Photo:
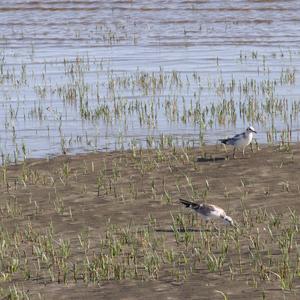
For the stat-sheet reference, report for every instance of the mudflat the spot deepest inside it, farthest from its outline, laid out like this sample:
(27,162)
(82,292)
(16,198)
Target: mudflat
(109,225)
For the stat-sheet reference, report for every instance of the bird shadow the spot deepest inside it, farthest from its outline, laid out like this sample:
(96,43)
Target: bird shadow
(182,230)
(210,159)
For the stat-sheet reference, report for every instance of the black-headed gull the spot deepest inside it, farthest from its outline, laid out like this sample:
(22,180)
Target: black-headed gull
(241,140)
(208,211)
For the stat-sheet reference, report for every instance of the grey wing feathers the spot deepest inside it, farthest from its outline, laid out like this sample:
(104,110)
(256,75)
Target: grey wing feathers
(238,136)
(204,209)
(231,141)
(207,211)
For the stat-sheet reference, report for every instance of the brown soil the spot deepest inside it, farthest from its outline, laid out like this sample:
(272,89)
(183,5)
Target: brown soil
(132,188)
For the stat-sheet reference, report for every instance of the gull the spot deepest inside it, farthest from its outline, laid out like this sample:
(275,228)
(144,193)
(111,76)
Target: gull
(208,211)
(241,140)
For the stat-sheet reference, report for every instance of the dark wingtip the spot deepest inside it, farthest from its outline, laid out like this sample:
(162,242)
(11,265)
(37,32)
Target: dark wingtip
(185,202)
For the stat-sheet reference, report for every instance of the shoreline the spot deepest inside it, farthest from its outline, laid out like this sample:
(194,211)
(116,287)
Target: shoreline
(208,147)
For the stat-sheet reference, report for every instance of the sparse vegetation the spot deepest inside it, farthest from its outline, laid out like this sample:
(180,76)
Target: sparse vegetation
(146,94)
(53,229)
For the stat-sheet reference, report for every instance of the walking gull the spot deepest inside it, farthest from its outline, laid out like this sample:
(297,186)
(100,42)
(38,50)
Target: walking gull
(241,140)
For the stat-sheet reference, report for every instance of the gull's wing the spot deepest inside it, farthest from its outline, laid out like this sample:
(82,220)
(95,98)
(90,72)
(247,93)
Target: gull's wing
(232,140)
(238,136)
(220,211)
(204,209)
(189,204)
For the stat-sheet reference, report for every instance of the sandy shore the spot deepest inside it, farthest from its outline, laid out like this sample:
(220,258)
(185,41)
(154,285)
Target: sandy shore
(69,197)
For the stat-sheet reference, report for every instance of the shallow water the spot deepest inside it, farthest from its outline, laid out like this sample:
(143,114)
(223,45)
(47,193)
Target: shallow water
(62,59)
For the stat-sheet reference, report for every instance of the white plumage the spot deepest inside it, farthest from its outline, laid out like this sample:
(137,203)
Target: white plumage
(241,140)
(208,211)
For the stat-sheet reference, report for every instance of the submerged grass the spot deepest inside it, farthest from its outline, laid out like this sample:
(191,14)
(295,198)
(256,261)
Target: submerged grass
(89,92)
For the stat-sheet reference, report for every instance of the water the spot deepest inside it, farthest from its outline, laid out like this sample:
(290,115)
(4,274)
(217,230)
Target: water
(59,60)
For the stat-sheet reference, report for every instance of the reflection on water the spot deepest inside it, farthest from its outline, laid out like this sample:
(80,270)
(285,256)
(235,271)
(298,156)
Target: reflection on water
(83,75)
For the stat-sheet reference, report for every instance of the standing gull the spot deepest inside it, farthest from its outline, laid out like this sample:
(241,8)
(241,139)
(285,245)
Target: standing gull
(241,140)
(208,211)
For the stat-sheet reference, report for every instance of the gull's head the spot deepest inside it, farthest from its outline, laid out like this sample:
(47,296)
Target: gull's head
(228,220)
(251,129)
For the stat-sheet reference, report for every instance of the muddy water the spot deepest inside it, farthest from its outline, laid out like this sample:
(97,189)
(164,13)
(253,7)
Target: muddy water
(216,41)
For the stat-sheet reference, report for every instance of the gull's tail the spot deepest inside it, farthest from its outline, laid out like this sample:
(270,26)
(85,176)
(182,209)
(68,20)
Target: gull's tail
(224,141)
(189,203)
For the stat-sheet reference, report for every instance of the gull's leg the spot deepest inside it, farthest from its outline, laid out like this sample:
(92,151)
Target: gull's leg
(243,151)
(234,152)
(206,224)
(225,148)
(214,225)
